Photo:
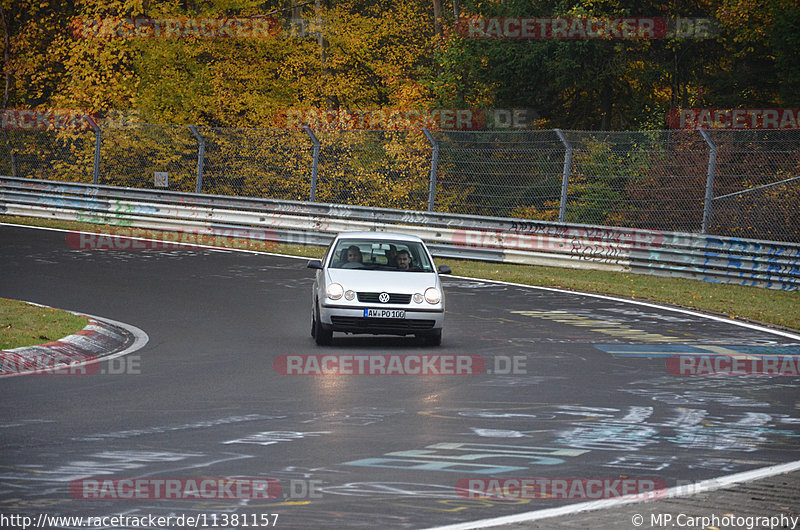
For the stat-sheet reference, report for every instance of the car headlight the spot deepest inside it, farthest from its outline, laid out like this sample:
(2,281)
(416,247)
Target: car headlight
(335,291)
(349,295)
(432,295)
(418,298)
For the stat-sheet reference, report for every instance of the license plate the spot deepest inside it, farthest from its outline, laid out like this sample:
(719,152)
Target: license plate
(385,313)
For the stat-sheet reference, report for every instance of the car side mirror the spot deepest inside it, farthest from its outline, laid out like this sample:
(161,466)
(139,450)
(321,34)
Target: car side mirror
(314,264)
(444,269)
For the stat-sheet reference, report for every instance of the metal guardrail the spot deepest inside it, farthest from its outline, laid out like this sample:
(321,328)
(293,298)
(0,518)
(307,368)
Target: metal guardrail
(768,264)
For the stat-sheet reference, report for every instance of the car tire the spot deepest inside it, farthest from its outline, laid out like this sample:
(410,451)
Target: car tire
(433,338)
(322,336)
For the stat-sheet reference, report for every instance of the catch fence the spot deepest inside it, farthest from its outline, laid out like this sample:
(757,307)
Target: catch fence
(738,183)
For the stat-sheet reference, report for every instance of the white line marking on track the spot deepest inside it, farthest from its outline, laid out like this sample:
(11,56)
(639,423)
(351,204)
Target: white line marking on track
(645,304)
(679,491)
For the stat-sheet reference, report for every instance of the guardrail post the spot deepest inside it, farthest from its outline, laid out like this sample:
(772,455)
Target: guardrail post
(314,163)
(712,165)
(201,158)
(98,140)
(562,209)
(434,168)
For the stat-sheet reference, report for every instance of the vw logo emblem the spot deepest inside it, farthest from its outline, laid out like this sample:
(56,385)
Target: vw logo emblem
(383,298)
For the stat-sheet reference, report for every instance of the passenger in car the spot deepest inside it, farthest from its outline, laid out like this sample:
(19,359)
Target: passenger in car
(354,255)
(391,256)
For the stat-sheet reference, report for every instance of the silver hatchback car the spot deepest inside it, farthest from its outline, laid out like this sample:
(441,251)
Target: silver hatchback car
(378,283)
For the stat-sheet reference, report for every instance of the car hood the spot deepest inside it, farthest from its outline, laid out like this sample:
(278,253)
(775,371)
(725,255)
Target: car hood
(361,280)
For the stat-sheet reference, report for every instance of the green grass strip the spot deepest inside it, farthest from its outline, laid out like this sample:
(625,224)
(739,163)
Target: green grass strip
(23,324)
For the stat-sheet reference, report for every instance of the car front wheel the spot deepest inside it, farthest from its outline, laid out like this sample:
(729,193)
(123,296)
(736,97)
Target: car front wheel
(322,336)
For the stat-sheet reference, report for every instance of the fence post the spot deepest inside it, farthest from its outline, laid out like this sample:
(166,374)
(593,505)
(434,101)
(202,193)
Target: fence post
(98,140)
(201,158)
(562,210)
(434,168)
(314,163)
(14,172)
(712,165)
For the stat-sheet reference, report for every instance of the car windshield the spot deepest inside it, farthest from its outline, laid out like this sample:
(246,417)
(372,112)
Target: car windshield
(403,256)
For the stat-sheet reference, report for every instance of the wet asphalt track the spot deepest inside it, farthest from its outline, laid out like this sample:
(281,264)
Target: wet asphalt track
(595,401)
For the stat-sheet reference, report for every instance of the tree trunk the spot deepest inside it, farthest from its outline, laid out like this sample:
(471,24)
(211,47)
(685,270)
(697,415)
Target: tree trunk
(330,100)
(6,59)
(437,17)
(606,105)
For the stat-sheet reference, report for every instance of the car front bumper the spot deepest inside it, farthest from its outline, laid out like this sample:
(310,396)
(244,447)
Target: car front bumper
(352,320)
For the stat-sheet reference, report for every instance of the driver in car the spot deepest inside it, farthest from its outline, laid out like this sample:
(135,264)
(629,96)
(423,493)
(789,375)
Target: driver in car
(403,260)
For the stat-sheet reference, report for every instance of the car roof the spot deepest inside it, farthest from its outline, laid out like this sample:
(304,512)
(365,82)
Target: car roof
(389,236)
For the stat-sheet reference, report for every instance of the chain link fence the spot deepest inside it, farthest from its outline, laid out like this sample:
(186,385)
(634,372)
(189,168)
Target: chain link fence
(130,156)
(724,182)
(386,168)
(60,154)
(639,179)
(499,173)
(757,185)
(273,163)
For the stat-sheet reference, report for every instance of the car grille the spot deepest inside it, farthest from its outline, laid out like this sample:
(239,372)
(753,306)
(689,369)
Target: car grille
(377,324)
(394,298)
